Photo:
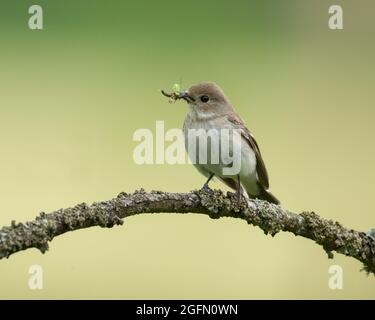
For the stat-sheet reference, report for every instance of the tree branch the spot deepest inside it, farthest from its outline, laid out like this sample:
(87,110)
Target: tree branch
(332,236)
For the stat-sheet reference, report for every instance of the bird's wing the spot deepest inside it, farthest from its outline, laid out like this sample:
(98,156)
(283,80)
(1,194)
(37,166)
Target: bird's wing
(260,166)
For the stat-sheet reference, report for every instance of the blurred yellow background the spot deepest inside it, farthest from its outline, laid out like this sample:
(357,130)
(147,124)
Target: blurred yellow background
(73,94)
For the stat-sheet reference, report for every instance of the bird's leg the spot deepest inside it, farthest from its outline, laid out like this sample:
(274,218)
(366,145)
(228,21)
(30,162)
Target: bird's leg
(238,190)
(205,186)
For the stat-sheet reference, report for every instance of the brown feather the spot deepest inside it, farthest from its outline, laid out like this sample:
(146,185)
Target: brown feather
(260,166)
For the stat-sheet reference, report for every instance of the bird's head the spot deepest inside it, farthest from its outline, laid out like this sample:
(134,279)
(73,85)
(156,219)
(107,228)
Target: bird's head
(206,100)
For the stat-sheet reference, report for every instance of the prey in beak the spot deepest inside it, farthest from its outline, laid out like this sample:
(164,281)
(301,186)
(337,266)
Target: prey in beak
(177,94)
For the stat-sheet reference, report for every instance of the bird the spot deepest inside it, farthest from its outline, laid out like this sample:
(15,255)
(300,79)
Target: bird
(210,109)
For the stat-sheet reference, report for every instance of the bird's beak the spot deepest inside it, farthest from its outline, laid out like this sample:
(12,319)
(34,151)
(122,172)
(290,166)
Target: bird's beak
(180,95)
(185,95)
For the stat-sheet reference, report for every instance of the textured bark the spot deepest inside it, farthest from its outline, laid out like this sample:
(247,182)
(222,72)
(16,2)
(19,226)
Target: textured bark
(332,236)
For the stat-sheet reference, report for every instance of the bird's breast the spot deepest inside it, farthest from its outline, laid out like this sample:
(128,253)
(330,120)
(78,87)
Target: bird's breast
(217,143)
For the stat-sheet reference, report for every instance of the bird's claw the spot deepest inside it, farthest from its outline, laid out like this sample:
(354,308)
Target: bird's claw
(206,188)
(238,198)
(371,234)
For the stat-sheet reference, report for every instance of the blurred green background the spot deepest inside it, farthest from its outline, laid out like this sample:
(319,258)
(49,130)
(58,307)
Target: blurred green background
(73,94)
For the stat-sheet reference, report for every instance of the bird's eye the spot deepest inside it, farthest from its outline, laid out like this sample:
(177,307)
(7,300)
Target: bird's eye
(205,98)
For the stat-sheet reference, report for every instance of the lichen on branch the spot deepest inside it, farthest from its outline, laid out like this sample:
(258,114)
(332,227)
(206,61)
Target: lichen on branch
(332,236)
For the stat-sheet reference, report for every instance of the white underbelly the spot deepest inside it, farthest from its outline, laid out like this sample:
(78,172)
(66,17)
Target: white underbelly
(222,151)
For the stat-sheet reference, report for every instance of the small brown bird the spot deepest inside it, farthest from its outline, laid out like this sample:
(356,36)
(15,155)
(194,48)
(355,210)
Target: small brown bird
(209,109)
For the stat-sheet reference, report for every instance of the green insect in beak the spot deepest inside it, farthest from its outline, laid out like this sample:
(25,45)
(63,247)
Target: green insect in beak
(176,89)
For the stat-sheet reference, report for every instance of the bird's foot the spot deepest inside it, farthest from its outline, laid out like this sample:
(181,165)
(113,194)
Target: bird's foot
(206,187)
(238,197)
(371,234)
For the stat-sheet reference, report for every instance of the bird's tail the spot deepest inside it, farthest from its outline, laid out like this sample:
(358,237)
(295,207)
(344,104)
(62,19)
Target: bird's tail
(268,196)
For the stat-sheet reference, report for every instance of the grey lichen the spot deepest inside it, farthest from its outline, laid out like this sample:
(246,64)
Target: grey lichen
(214,201)
(272,219)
